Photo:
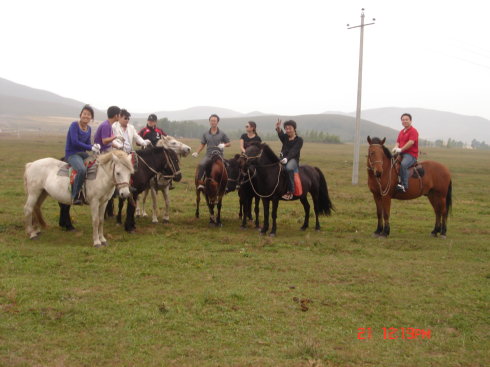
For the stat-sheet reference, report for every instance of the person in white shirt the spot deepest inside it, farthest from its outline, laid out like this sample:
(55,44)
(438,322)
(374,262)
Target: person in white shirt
(126,133)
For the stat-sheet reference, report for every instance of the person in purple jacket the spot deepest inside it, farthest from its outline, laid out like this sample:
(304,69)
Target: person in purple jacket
(104,136)
(77,144)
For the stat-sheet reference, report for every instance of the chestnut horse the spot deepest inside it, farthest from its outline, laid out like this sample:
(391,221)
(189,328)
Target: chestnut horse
(383,169)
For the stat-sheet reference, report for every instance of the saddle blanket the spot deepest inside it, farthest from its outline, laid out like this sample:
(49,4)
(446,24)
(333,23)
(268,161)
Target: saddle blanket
(67,171)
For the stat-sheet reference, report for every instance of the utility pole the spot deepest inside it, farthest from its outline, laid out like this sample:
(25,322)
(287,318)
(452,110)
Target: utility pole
(357,137)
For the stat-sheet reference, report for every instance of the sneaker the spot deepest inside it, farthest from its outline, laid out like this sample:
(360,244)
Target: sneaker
(401,188)
(77,202)
(288,196)
(200,187)
(171,187)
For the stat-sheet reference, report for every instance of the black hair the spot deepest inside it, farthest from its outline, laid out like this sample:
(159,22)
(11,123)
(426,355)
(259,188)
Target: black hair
(113,111)
(406,114)
(254,126)
(213,115)
(290,123)
(89,109)
(125,113)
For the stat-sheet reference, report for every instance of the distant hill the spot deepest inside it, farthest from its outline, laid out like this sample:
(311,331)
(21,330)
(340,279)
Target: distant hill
(340,125)
(433,124)
(199,112)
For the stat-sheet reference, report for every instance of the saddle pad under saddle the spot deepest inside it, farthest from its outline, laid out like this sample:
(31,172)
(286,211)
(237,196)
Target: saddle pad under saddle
(91,170)
(416,171)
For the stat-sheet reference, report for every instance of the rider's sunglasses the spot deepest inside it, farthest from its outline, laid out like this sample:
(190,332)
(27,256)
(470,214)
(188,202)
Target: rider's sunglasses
(247,126)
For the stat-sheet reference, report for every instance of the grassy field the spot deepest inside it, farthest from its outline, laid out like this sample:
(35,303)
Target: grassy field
(185,294)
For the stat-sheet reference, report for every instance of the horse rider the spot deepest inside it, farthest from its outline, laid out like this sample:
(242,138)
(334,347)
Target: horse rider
(151,132)
(215,140)
(290,152)
(77,143)
(104,135)
(128,132)
(250,136)
(407,145)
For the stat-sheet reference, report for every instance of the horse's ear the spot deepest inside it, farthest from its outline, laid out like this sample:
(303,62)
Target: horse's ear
(369,140)
(383,141)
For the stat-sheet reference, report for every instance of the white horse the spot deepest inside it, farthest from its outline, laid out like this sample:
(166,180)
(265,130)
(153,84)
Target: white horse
(162,183)
(41,179)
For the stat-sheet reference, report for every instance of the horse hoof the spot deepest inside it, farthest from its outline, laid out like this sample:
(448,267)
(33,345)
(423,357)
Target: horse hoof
(376,235)
(272,235)
(443,236)
(98,245)
(219,224)
(243,227)
(303,228)
(144,215)
(166,221)
(105,243)
(154,221)
(317,229)
(70,228)
(34,237)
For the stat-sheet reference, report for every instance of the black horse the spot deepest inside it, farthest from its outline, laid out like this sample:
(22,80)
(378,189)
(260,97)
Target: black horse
(148,163)
(269,180)
(246,196)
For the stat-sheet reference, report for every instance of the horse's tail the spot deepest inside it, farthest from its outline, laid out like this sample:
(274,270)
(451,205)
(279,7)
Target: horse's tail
(325,205)
(449,197)
(25,176)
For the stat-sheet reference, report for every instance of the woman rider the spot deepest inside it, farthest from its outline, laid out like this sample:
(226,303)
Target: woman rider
(77,143)
(250,136)
(290,152)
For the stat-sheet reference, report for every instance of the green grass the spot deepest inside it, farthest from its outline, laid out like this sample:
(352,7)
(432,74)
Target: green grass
(185,294)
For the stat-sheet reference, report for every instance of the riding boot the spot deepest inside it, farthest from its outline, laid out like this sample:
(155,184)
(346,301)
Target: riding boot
(171,186)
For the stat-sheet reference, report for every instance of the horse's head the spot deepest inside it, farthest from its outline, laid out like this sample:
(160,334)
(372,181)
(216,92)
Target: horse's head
(178,147)
(172,164)
(377,152)
(233,170)
(122,169)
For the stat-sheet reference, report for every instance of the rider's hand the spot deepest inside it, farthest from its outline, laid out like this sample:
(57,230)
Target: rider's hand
(117,144)
(147,143)
(221,146)
(120,137)
(195,154)
(96,148)
(396,150)
(278,124)
(284,160)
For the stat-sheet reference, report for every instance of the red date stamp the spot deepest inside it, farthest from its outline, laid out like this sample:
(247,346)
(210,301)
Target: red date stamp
(393,333)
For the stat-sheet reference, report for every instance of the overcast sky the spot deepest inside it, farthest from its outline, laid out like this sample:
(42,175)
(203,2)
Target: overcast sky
(285,57)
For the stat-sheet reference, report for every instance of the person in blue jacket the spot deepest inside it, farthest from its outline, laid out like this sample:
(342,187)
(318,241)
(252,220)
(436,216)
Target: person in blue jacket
(77,144)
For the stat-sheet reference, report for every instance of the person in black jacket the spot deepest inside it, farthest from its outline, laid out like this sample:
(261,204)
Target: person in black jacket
(151,132)
(290,152)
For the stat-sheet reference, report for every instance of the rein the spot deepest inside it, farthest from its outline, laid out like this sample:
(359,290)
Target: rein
(169,162)
(275,188)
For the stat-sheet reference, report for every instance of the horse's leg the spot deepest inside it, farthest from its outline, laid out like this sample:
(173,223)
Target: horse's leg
(166,198)
(257,203)
(138,211)
(275,204)
(435,200)
(153,192)
(198,200)
(143,211)
(386,203)
(218,218)
(306,207)
(109,213)
(265,227)
(65,220)
(40,223)
(28,213)
(129,223)
(119,211)
(102,210)
(95,210)
(379,212)
(316,198)
(212,219)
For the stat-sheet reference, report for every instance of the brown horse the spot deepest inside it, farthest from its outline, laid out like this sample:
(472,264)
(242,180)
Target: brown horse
(434,182)
(221,177)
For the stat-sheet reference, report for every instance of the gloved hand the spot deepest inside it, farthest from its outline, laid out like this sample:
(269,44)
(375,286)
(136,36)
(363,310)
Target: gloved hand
(147,143)
(195,154)
(117,144)
(96,148)
(120,137)
(284,160)
(396,150)
(221,146)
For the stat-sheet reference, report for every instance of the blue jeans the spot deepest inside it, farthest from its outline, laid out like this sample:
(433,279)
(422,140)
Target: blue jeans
(408,160)
(291,169)
(76,161)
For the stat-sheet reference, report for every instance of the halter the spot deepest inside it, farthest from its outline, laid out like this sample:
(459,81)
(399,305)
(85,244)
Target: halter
(387,189)
(118,184)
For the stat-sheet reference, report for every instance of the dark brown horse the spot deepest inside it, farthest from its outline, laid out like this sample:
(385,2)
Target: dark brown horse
(434,182)
(221,178)
(268,180)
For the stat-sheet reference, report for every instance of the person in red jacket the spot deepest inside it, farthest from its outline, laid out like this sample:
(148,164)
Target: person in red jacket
(407,145)
(151,131)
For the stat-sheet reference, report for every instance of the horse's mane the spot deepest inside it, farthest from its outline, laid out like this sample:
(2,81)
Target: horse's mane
(269,153)
(123,157)
(213,159)
(376,140)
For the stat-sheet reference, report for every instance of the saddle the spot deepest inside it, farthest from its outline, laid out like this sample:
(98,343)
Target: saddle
(67,170)
(415,171)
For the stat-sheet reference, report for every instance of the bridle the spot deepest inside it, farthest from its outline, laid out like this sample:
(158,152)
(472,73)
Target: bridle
(247,158)
(387,189)
(170,163)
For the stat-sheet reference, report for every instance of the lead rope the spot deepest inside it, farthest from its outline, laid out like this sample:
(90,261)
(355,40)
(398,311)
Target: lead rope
(273,191)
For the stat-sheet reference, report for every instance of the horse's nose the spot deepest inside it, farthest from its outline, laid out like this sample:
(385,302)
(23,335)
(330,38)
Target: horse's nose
(178,177)
(378,173)
(124,193)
